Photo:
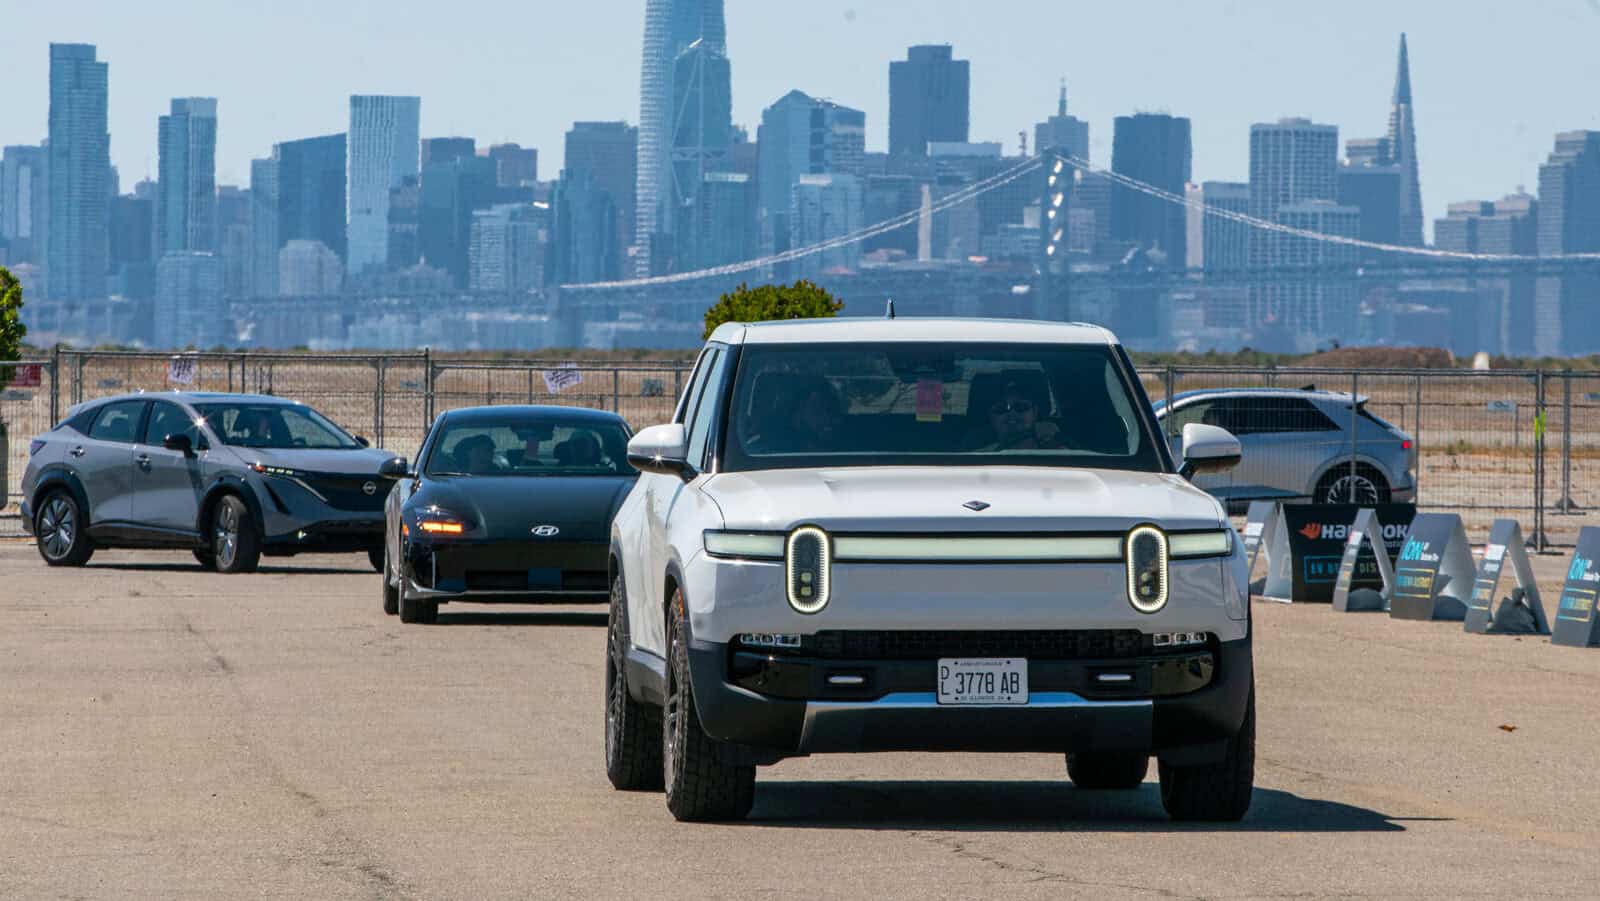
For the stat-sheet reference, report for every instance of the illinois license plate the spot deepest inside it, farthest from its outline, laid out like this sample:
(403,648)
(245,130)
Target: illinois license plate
(985,680)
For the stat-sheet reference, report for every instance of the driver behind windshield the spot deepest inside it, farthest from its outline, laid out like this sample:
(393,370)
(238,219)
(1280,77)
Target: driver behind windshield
(1014,423)
(806,421)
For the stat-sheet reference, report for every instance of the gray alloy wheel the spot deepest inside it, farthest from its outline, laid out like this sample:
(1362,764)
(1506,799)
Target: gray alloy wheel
(234,542)
(58,532)
(1367,489)
(700,787)
(633,751)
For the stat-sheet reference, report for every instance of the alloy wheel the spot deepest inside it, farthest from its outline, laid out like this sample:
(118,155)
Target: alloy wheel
(58,527)
(227,543)
(1365,491)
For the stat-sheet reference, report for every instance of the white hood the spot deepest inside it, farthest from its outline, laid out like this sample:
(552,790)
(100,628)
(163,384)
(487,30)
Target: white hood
(916,499)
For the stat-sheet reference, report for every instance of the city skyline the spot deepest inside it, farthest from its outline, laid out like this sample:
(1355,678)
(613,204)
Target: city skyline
(1253,71)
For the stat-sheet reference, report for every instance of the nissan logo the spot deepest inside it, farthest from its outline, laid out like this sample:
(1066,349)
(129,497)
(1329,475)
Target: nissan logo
(546,531)
(370,488)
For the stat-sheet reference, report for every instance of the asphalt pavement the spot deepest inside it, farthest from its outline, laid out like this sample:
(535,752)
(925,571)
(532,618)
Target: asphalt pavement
(170,733)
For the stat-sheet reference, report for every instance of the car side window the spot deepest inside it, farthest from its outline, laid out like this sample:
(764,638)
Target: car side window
(1189,413)
(702,369)
(706,410)
(1307,418)
(169,419)
(118,422)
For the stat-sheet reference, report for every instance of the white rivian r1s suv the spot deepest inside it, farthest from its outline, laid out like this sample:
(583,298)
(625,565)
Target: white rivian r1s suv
(918,535)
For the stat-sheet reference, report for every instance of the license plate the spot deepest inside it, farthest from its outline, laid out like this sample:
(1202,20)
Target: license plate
(986,680)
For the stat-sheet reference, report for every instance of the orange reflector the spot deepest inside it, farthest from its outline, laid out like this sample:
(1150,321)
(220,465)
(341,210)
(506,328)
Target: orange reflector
(441,528)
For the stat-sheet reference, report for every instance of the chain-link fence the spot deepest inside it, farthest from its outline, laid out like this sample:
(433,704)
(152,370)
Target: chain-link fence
(1524,444)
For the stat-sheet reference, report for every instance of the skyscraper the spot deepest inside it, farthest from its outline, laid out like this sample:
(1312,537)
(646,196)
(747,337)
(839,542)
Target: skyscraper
(1569,222)
(670,27)
(186,202)
(1506,226)
(515,166)
(384,150)
(702,131)
(24,202)
(447,150)
(826,206)
(310,192)
(451,190)
(1373,182)
(264,227)
(508,248)
(1294,181)
(1403,146)
(1224,243)
(188,303)
(1061,132)
(79,160)
(800,135)
(308,269)
(1154,149)
(602,175)
(928,99)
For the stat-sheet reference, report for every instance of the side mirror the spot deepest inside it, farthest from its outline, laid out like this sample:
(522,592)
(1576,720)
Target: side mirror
(362,440)
(662,449)
(1207,448)
(396,468)
(179,442)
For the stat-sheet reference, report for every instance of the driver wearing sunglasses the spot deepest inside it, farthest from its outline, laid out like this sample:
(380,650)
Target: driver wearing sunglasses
(1015,423)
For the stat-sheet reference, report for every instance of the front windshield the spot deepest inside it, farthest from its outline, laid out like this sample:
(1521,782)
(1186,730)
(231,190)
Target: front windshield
(274,426)
(935,404)
(531,445)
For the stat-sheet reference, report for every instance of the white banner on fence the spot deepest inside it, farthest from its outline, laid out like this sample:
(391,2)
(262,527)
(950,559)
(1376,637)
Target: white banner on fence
(559,380)
(182,370)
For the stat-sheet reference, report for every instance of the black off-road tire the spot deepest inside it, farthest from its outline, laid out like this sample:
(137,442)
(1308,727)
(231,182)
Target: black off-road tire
(1107,772)
(632,729)
(378,558)
(205,558)
(234,540)
(60,530)
(1217,792)
(416,610)
(391,593)
(700,787)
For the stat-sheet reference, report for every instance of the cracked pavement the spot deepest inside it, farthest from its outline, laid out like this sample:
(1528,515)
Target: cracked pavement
(178,734)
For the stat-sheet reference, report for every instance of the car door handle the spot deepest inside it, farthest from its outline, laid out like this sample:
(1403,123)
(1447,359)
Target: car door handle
(78,451)
(143,460)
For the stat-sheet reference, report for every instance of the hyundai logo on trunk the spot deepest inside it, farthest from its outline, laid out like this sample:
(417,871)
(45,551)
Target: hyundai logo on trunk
(546,531)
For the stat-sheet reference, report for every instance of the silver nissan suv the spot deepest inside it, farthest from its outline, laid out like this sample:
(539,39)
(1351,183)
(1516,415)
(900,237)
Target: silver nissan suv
(925,535)
(228,476)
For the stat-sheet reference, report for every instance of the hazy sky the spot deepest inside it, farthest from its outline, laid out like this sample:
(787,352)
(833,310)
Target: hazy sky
(1493,81)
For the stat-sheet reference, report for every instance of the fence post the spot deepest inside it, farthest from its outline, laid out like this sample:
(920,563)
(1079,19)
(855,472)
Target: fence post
(1416,442)
(427,389)
(377,413)
(1167,378)
(1355,424)
(1566,441)
(55,385)
(616,390)
(77,378)
(1540,541)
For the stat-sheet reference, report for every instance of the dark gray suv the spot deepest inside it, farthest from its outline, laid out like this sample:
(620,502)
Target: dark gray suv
(229,476)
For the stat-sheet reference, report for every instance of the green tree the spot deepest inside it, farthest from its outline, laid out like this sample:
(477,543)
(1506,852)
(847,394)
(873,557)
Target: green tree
(801,300)
(11,328)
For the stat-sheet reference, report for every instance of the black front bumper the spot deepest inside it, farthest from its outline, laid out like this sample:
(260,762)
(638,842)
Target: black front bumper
(1182,706)
(509,572)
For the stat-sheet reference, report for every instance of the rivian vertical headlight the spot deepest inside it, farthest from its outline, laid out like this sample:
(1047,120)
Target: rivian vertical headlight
(807,560)
(1146,556)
